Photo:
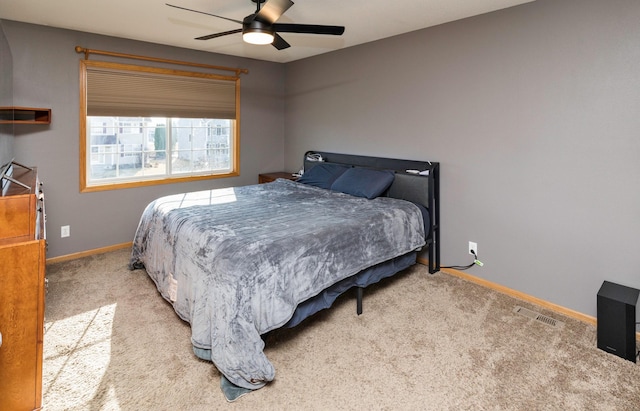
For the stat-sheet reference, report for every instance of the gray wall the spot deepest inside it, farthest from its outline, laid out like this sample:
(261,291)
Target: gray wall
(45,74)
(6,98)
(532,112)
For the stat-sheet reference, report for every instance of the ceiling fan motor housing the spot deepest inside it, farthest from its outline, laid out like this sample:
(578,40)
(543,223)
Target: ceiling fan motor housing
(256,31)
(252,24)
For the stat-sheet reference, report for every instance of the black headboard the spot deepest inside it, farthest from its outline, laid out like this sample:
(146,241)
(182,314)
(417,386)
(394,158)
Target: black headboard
(416,181)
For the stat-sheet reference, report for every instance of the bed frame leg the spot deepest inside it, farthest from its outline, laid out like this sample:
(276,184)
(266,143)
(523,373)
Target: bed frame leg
(359,300)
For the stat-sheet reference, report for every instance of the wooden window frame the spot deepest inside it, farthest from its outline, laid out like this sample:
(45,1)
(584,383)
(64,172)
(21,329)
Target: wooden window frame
(84,159)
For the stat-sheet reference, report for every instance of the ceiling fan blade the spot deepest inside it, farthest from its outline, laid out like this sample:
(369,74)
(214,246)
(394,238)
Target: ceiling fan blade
(213,36)
(279,42)
(273,9)
(308,28)
(202,12)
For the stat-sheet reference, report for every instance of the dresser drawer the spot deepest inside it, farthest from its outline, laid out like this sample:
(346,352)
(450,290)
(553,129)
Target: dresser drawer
(17,217)
(21,325)
(18,206)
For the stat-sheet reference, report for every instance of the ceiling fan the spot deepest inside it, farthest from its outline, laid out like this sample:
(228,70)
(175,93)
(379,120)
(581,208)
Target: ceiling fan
(261,27)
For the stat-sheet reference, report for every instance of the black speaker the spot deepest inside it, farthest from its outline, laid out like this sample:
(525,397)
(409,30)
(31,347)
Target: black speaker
(617,319)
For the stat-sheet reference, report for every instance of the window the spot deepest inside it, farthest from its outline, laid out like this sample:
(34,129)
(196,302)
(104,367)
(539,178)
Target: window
(161,147)
(142,125)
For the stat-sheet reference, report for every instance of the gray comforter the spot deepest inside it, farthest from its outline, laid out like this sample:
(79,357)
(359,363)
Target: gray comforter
(236,262)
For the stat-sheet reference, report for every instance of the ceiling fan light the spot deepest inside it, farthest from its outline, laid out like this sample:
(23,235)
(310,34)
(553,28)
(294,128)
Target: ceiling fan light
(257,37)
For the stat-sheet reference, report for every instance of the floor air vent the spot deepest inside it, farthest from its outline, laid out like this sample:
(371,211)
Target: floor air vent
(538,317)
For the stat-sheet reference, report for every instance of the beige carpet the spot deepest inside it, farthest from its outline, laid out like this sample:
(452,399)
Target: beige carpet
(424,342)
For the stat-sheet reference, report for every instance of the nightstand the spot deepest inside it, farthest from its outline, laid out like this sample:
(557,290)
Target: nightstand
(269,177)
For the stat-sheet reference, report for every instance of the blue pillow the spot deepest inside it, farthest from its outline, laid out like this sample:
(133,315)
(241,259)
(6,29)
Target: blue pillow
(364,182)
(323,174)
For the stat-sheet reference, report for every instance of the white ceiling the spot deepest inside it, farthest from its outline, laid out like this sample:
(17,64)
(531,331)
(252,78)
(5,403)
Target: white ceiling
(153,21)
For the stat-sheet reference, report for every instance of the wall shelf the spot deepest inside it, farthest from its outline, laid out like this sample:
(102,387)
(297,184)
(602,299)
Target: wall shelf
(25,115)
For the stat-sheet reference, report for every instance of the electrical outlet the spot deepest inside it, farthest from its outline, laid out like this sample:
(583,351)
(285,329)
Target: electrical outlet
(473,247)
(65,231)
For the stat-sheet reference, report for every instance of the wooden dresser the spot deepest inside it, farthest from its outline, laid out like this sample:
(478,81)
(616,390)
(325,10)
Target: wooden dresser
(22,289)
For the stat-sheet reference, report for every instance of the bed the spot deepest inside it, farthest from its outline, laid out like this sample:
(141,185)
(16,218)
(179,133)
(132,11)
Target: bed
(239,262)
